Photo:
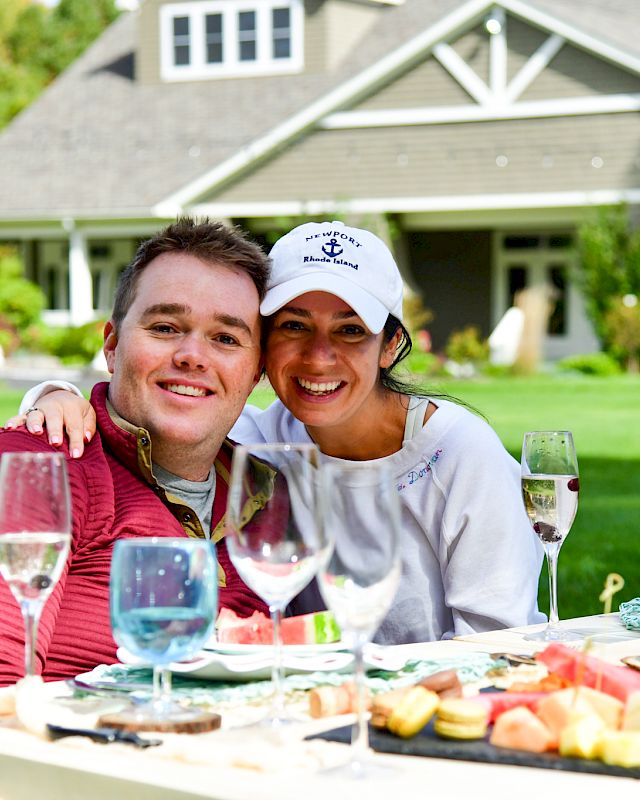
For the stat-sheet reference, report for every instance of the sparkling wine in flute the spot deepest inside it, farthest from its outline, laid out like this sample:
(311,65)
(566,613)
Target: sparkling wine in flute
(550,488)
(551,502)
(31,563)
(35,533)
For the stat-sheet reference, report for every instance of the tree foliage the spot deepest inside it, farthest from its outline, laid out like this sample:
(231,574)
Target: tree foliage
(37,43)
(21,301)
(609,250)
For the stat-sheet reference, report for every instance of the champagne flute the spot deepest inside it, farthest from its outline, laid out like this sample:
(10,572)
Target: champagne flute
(550,487)
(362,575)
(278,550)
(35,533)
(163,595)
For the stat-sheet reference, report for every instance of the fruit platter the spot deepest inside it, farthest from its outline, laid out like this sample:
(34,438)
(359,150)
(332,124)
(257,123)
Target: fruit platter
(582,716)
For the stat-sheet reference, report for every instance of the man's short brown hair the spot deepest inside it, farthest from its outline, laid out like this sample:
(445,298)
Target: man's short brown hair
(211,242)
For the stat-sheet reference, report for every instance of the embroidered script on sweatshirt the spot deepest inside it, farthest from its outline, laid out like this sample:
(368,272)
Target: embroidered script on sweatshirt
(415,475)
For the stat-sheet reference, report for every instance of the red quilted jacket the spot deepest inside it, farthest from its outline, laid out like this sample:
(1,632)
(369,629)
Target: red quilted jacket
(111,499)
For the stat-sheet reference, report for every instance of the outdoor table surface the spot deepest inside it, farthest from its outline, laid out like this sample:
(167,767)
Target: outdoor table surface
(77,769)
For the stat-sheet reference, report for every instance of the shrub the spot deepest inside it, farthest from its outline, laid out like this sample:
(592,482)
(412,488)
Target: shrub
(21,301)
(622,323)
(466,346)
(609,249)
(74,345)
(591,364)
(420,363)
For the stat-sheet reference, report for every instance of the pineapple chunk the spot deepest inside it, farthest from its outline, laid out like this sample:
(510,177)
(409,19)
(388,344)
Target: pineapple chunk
(620,748)
(631,718)
(581,737)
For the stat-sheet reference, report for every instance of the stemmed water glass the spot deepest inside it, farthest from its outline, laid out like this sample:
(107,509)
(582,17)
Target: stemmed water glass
(361,577)
(550,486)
(35,533)
(163,608)
(276,550)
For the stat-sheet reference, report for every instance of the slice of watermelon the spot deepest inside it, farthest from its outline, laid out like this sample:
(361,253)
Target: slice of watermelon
(586,670)
(317,628)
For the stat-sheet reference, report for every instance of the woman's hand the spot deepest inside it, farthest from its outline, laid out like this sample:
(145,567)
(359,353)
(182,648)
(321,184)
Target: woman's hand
(60,412)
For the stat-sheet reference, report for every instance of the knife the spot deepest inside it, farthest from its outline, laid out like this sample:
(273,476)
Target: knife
(102,735)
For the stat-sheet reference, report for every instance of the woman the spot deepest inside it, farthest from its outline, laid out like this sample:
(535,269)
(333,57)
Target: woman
(333,336)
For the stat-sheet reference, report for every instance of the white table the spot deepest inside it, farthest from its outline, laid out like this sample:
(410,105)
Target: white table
(77,769)
(610,640)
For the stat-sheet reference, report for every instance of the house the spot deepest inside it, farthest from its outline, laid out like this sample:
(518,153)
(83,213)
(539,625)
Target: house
(474,135)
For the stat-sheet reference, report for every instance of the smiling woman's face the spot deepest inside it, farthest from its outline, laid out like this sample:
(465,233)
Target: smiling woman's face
(322,360)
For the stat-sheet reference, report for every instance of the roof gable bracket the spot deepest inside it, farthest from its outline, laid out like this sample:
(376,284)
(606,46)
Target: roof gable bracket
(463,73)
(534,66)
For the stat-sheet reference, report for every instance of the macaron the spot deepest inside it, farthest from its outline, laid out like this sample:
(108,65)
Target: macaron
(460,719)
(413,711)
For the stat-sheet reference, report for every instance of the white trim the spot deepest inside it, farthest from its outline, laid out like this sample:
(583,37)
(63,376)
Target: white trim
(92,231)
(366,80)
(382,205)
(463,73)
(534,66)
(498,56)
(80,280)
(566,106)
(231,65)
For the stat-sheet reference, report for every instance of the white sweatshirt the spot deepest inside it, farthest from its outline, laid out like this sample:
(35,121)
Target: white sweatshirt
(470,559)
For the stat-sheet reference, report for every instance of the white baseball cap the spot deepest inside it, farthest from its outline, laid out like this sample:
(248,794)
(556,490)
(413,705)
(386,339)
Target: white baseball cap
(351,263)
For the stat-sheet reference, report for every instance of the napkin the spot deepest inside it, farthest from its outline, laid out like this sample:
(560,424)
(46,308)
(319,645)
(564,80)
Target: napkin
(470,666)
(630,614)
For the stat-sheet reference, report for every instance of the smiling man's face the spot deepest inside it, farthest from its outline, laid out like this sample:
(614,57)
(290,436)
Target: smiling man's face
(185,358)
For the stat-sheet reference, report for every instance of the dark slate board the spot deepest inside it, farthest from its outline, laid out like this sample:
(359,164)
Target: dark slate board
(427,743)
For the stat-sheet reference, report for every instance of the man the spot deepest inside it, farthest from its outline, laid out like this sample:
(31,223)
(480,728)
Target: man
(183,349)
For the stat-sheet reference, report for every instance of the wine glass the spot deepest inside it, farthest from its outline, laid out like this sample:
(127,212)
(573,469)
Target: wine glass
(35,533)
(278,550)
(550,486)
(164,601)
(361,577)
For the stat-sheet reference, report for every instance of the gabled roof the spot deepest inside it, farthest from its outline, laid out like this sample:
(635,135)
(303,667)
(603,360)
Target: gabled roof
(98,144)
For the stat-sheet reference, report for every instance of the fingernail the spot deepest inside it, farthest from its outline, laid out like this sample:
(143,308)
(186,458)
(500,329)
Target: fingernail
(87,436)
(36,428)
(9,426)
(75,453)
(54,440)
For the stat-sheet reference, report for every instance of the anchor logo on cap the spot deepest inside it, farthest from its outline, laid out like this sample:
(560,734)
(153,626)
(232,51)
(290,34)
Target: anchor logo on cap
(332,249)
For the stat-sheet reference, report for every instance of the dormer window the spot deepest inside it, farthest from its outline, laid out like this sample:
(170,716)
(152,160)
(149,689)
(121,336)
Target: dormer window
(230,38)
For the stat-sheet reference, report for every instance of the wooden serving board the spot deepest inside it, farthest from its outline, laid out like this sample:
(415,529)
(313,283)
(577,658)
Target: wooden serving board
(427,743)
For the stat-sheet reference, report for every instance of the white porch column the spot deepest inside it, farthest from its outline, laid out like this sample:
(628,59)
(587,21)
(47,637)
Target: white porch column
(80,281)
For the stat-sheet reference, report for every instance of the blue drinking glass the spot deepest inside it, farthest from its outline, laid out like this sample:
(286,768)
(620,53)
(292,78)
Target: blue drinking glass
(164,601)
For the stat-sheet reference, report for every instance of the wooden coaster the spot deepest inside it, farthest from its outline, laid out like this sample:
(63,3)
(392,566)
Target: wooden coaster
(198,722)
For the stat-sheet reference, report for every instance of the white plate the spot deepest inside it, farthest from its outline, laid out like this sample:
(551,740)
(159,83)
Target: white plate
(255,662)
(228,648)
(250,665)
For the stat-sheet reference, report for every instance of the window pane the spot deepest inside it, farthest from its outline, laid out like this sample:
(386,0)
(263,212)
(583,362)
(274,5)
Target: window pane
(181,26)
(521,242)
(556,275)
(247,21)
(281,28)
(181,43)
(214,38)
(281,18)
(247,51)
(213,23)
(281,48)
(247,46)
(181,54)
(517,280)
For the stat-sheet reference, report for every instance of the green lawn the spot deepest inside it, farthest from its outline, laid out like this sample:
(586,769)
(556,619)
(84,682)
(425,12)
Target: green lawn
(604,415)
